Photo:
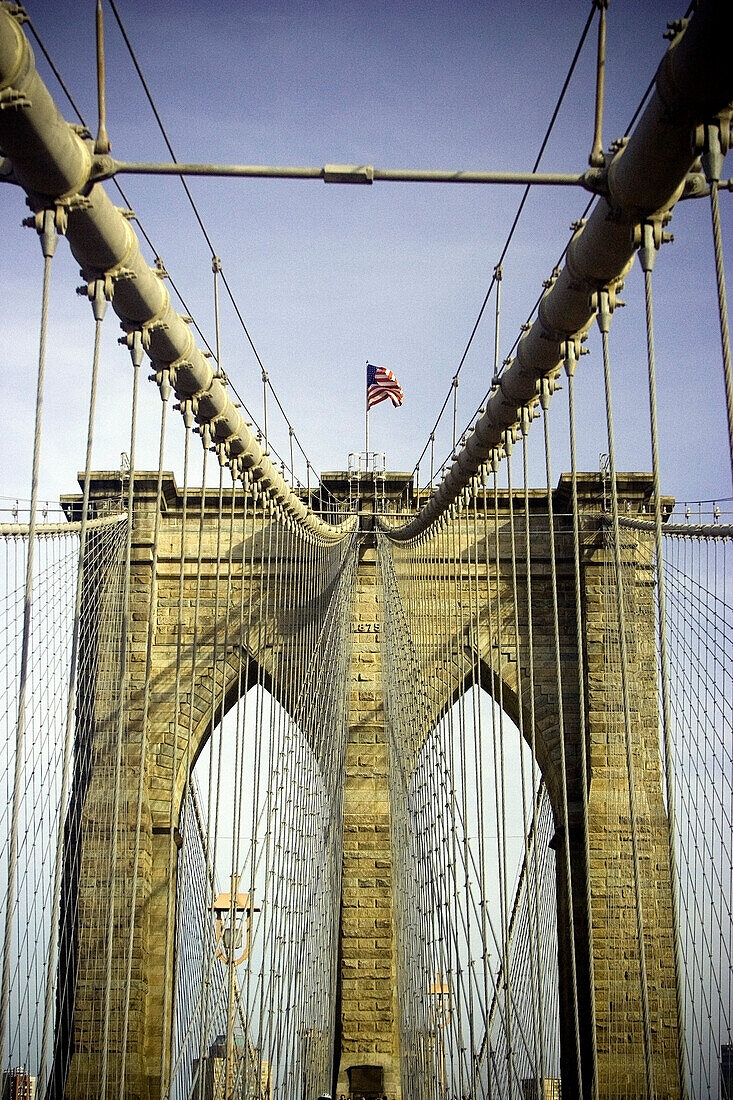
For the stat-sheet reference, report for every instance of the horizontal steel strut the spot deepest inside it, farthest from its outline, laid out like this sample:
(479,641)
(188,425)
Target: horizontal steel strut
(593,179)
(105,167)
(53,164)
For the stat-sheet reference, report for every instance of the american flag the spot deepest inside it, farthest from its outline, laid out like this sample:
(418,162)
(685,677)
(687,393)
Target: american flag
(382,384)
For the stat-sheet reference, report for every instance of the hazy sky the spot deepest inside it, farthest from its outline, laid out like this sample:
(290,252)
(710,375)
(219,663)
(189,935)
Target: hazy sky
(327,277)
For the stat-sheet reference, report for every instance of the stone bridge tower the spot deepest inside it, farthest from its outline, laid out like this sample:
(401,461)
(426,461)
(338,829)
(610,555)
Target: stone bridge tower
(367,1034)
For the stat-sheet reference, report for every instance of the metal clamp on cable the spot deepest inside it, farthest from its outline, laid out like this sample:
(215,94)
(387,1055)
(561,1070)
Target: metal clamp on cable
(604,302)
(713,141)
(133,341)
(571,352)
(49,223)
(164,378)
(649,236)
(187,408)
(99,293)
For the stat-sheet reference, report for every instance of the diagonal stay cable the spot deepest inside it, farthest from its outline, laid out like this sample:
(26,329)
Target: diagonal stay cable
(644,98)
(155,251)
(197,214)
(517,216)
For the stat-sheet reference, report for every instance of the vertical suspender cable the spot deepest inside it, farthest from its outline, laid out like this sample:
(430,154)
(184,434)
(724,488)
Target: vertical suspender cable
(165,389)
(99,306)
(497,817)
(455,410)
(478,756)
(723,310)
(136,351)
(257,777)
(214,788)
(265,381)
(168,980)
(525,421)
(206,440)
(101,144)
(605,307)
(498,277)
(596,157)
(535,983)
(501,784)
(229,1067)
(545,402)
(713,163)
(47,232)
(243,666)
(647,256)
(570,363)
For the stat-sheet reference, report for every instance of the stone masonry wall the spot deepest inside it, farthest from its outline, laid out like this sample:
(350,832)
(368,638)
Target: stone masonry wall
(368,1018)
(368,985)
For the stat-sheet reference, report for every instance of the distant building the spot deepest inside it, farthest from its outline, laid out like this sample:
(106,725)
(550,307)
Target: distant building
(245,1080)
(265,1080)
(726,1072)
(547,1088)
(18,1085)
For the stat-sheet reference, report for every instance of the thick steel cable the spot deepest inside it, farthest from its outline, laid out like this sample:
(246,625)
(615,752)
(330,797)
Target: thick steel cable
(564,797)
(267,900)
(604,317)
(447,929)
(254,830)
(570,362)
(234,888)
(448,741)
(290,923)
(647,256)
(123,683)
(211,855)
(458,735)
(275,818)
(478,757)
(722,309)
(48,243)
(470,690)
(236,788)
(206,439)
(535,983)
(142,764)
(494,644)
(74,526)
(156,251)
(500,782)
(100,305)
(168,985)
(240,725)
(532,714)
(211,835)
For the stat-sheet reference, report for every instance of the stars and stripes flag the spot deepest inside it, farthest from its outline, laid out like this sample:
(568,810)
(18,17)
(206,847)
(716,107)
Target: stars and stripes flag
(382,384)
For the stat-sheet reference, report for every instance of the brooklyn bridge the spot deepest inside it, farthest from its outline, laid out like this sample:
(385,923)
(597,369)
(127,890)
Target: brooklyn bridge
(367,783)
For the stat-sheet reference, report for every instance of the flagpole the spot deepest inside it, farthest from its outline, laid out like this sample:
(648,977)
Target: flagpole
(366,422)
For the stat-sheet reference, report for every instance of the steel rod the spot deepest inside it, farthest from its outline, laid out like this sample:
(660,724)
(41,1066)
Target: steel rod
(342,173)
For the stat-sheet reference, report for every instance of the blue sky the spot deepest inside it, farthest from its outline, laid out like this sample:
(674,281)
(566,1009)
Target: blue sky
(328,277)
